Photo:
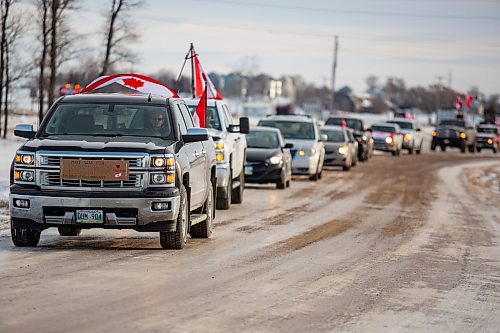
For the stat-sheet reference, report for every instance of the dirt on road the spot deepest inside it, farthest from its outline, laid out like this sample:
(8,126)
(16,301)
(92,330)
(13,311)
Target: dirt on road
(408,243)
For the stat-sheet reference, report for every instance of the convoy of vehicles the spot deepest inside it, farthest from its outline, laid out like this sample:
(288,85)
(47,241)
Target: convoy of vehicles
(268,158)
(302,132)
(230,148)
(118,161)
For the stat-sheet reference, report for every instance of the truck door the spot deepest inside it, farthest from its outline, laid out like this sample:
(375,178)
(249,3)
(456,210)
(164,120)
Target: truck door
(238,149)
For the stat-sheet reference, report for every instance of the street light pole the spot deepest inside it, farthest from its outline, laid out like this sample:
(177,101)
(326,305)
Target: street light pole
(334,69)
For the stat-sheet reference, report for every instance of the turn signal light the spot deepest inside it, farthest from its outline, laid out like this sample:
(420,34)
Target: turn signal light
(463,135)
(434,133)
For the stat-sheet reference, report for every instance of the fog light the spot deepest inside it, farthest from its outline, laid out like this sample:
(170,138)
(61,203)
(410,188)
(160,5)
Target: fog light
(158,178)
(157,206)
(21,203)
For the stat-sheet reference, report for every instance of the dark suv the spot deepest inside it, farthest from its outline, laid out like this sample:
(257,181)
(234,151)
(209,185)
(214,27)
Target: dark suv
(114,161)
(455,133)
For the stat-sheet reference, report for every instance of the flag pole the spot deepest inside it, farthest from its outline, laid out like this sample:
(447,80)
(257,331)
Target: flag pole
(176,86)
(206,102)
(191,49)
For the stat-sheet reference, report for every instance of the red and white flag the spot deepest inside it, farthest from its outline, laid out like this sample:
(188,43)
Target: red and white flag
(200,114)
(140,83)
(468,100)
(200,78)
(458,102)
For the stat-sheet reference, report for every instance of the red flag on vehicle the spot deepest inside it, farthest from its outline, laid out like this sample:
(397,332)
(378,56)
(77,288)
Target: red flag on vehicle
(468,100)
(458,102)
(199,78)
(201,111)
(137,82)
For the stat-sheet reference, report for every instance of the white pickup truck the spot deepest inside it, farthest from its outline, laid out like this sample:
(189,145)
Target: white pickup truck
(230,149)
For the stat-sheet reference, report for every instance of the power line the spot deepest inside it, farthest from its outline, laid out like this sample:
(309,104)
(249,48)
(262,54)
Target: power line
(351,11)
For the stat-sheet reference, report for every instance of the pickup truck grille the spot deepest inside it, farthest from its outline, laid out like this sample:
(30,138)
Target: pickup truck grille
(49,175)
(54,179)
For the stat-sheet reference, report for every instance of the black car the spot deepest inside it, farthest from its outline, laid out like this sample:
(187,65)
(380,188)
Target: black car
(364,138)
(268,157)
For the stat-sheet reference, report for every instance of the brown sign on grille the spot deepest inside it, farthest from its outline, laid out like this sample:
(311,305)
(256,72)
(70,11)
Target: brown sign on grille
(107,170)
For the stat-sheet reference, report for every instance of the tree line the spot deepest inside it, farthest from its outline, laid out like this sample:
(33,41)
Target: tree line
(55,45)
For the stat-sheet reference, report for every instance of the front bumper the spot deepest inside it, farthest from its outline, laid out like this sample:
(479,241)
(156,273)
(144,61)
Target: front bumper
(304,165)
(335,159)
(126,213)
(262,173)
(449,142)
(385,147)
(223,174)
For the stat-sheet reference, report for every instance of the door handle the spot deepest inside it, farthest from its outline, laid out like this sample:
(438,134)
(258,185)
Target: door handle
(237,139)
(203,152)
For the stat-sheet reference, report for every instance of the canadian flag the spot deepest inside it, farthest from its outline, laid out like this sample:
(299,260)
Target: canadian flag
(468,100)
(140,83)
(200,78)
(200,114)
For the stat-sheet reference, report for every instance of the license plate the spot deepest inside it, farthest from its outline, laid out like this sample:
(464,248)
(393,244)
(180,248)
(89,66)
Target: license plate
(446,141)
(89,216)
(248,170)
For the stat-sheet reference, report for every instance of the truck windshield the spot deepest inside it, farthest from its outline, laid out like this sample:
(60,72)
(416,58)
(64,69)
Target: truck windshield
(402,124)
(109,120)
(489,130)
(292,129)
(384,129)
(457,123)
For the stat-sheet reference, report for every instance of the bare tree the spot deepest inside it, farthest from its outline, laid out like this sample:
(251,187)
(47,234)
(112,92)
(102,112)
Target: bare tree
(4,11)
(15,68)
(118,33)
(58,42)
(43,14)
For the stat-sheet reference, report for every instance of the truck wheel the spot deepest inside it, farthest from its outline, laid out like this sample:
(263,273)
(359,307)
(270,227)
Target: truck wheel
(175,240)
(410,151)
(225,203)
(471,149)
(69,231)
(479,149)
(204,229)
(315,176)
(433,146)
(25,237)
(443,148)
(237,195)
(346,167)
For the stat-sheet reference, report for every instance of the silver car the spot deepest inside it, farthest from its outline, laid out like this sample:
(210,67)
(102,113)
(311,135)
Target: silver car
(308,151)
(340,147)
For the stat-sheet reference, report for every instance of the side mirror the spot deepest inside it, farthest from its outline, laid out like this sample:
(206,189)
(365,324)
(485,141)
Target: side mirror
(369,129)
(419,130)
(288,146)
(24,131)
(244,125)
(323,137)
(195,135)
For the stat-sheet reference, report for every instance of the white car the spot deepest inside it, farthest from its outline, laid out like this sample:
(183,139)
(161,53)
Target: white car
(308,153)
(230,149)
(412,135)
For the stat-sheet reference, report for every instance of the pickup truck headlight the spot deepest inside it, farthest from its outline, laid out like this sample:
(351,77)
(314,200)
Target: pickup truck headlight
(219,151)
(24,176)
(25,159)
(463,135)
(407,137)
(164,173)
(388,140)
(275,160)
(343,150)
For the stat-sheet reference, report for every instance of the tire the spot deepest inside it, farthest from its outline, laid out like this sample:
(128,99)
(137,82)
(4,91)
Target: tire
(225,203)
(394,153)
(419,150)
(346,167)
(479,149)
(471,149)
(237,195)
(443,148)
(204,229)
(315,176)
(410,151)
(433,146)
(281,184)
(25,237)
(287,184)
(175,240)
(69,231)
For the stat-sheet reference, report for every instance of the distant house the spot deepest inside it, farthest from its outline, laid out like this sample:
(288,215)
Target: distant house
(346,101)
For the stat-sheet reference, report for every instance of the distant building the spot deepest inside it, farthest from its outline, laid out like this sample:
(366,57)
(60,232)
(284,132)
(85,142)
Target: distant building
(345,100)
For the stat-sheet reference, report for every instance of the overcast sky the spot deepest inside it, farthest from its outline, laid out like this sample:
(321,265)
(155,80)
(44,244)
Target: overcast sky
(417,40)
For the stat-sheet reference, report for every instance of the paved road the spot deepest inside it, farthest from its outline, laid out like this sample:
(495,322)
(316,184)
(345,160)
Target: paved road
(411,247)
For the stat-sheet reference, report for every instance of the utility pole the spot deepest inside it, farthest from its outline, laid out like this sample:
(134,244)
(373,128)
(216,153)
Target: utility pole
(334,69)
